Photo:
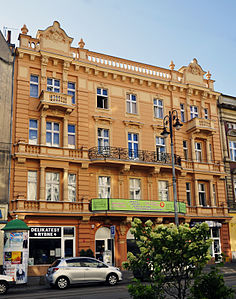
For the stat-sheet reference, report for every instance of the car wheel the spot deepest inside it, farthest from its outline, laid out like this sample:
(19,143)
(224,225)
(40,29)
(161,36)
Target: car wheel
(3,287)
(112,279)
(62,283)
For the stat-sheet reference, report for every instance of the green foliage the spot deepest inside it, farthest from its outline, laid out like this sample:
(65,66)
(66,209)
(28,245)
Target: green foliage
(211,286)
(142,291)
(88,253)
(173,256)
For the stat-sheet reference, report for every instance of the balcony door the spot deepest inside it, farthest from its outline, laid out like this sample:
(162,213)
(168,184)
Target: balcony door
(133,145)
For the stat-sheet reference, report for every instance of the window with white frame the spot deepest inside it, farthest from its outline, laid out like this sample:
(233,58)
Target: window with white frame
(135,188)
(102,98)
(188,193)
(160,147)
(182,113)
(210,152)
(185,149)
(133,145)
(53,85)
(52,133)
(104,187)
(158,108)
(206,116)
(234,182)
(214,193)
(232,149)
(103,140)
(34,86)
(202,194)
(131,103)
(215,248)
(198,151)
(72,187)
(32,185)
(193,111)
(163,190)
(71,136)
(71,91)
(33,131)
(52,186)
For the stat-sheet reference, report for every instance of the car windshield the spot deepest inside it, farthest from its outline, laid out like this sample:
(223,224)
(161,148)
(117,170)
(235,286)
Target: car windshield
(55,263)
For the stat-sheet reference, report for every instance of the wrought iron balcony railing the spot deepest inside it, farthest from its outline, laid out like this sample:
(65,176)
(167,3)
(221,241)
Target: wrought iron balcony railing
(118,153)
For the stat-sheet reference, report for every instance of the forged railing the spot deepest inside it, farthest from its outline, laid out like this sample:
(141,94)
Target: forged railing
(118,153)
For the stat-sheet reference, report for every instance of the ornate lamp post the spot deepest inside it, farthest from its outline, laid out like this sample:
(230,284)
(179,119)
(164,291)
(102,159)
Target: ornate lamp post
(172,120)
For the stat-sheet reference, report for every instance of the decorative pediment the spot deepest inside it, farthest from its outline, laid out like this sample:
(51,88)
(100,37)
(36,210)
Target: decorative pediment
(193,73)
(55,39)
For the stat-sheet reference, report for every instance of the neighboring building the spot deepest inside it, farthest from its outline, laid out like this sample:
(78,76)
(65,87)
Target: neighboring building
(6,71)
(227,115)
(88,152)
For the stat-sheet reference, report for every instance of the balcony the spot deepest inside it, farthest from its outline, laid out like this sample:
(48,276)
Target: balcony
(125,154)
(131,205)
(200,125)
(210,212)
(50,99)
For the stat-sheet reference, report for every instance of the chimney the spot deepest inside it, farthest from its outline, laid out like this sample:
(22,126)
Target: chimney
(8,36)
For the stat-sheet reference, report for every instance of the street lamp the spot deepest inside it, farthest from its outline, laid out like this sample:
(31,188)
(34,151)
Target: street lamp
(173,121)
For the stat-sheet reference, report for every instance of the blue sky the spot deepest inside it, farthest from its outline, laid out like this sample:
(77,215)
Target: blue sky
(151,31)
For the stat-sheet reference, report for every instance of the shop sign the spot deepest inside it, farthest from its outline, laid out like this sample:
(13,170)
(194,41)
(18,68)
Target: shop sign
(101,204)
(45,232)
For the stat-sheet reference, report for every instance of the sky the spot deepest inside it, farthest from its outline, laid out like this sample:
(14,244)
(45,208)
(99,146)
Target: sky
(149,31)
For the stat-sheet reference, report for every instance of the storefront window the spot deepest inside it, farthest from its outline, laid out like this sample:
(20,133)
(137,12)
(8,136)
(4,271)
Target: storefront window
(46,244)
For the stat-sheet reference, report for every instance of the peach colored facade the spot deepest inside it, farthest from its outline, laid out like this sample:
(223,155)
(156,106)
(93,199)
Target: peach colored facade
(88,125)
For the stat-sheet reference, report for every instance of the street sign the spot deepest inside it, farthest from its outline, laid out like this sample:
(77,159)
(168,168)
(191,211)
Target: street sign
(113,231)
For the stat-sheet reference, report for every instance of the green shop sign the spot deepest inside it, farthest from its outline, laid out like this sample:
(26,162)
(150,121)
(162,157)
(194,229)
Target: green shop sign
(103,204)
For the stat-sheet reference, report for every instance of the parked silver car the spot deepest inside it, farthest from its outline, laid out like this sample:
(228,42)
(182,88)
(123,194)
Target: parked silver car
(66,271)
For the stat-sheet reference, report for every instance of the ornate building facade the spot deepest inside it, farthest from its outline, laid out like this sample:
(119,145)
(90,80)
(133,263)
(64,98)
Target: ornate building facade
(88,153)
(227,114)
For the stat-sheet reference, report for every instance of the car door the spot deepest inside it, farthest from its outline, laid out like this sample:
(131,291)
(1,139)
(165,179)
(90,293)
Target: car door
(94,270)
(75,270)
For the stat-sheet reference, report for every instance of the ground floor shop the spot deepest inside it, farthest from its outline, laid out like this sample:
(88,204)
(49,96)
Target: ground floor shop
(109,238)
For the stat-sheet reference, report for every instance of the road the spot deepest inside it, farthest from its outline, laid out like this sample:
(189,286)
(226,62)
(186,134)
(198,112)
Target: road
(95,291)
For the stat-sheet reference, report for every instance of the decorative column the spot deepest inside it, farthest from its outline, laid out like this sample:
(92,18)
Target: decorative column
(65,185)
(43,129)
(65,132)
(208,156)
(196,193)
(42,183)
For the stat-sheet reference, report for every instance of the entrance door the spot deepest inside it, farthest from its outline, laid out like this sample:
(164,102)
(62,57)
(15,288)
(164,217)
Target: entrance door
(68,248)
(103,243)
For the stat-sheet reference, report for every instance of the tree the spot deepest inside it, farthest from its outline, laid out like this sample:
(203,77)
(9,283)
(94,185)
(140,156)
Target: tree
(173,256)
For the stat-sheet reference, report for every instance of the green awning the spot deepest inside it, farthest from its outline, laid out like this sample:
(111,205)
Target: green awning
(16,224)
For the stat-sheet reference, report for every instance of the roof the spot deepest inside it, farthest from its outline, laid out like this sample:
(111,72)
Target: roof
(16,224)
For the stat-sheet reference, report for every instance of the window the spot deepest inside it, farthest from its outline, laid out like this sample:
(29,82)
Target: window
(33,131)
(52,133)
(131,104)
(198,151)
(53,85)
(210,152)
(34,86)
(102,98)
(185,149)
(205,113)
(193,111)
(135,188)
(232,148)
(133,145)
(32,185)
(71,91)
(163,190)
(214,193)
(52,186)
(104,187)
(71,136)
(234,182)
(158,108)
(215,248)
(182,113)
(188,193)
(202,195)
(160,147)
(103,140)
(72,187)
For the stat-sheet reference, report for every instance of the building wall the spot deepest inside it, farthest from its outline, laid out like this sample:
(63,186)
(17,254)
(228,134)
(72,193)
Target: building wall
(53,57)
